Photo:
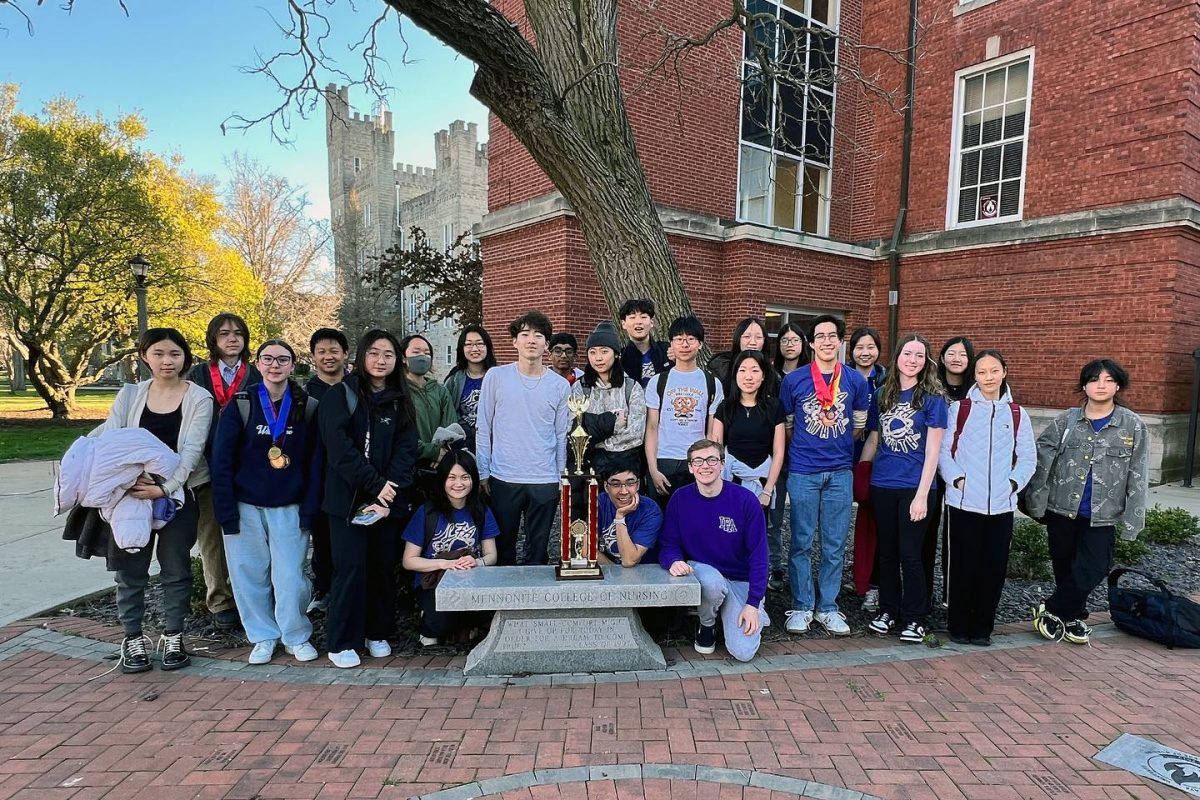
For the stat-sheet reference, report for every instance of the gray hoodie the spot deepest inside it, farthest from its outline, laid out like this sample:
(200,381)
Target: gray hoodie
(1118,457)
(990,455)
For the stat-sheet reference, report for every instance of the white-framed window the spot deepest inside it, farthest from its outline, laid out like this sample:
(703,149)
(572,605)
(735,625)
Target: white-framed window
(367,214)
(447,236)
(991,137)
(397,205)
(449,355)
(357,165)
(786,150)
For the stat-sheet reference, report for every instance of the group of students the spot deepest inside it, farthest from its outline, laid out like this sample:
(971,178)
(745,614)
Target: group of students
(690,458)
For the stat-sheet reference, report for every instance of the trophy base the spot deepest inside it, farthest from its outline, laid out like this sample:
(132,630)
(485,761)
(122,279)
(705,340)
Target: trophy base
(569,573)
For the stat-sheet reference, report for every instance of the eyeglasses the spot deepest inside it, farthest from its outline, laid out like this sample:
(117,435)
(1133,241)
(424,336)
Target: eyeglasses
(632,483)
(382,355)
(474,346)
(711,461)
(562,351)
(820,337)
(282,361)
(790,340)
(686,340)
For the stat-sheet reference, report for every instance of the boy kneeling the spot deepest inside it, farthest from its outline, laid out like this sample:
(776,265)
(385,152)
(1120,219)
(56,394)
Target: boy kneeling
(716,530)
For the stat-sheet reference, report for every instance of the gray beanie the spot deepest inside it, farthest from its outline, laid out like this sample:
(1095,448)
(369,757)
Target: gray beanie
(605,335)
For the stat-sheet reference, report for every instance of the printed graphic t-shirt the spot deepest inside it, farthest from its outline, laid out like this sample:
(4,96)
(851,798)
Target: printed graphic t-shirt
(452,534)
(823,439)
(902,434)
(685,410)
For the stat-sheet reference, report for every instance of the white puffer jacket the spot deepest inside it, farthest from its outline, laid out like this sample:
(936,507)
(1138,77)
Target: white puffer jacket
(984,457)
(97,471)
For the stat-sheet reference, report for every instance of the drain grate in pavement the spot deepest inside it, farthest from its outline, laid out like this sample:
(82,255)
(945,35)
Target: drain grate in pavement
(332,753)
(443,753)
(898,730)
(1152,760)
(745,709)
(1051,784)
(219,758)
(609,728)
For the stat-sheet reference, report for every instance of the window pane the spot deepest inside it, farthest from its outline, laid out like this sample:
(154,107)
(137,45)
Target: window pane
(787,173)
(966,204)
(774,321)
(993,92)
(1010,198)
(790,131)
(992,125)
(819,130)
(989,169)
(756,107)
(820,11)
(821,52)
(755,184)
(968,173)
(793,41)
(810,210)
(763,30)
(1014,119)
(973,94)
(989,201)
(1018,81)
(971,129)
(1012,160)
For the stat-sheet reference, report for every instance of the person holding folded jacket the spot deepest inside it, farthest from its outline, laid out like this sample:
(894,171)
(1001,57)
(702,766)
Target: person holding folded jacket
(266,481)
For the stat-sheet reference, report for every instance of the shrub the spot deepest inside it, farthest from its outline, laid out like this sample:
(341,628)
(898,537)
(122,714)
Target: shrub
(1029,558)
(199,588)
(1130,551)
(1169,525)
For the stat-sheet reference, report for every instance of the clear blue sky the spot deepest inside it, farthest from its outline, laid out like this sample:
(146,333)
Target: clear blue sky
(179,65)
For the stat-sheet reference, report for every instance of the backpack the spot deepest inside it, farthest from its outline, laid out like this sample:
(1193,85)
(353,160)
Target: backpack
(626,382)
(243,406)
(964,411)
(710,384)
(1157,614)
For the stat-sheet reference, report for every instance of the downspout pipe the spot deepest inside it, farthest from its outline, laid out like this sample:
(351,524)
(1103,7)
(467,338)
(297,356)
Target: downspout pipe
(910,91)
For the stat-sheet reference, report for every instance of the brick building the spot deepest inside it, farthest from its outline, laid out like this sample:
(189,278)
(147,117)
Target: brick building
(1053,199)
(374,202)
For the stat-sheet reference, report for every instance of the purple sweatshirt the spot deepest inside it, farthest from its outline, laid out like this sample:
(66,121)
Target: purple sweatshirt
(728,532)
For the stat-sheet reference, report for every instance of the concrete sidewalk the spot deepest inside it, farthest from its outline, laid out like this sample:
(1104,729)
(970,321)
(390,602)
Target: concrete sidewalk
(38,570)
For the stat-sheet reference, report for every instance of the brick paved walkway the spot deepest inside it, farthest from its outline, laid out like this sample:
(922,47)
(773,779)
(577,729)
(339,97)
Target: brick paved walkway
(1020,721)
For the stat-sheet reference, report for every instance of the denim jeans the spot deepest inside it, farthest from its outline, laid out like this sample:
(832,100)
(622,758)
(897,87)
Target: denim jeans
(821,503)
(266,568)
(719,595)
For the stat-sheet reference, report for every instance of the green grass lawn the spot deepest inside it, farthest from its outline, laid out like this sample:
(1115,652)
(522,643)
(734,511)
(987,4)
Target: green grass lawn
(27,433)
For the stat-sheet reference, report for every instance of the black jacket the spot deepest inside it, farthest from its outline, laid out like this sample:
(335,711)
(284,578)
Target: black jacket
(352,479)
(631,359)
(200,375)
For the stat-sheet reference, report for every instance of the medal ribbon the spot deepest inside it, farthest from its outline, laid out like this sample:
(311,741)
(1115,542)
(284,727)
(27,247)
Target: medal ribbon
(276,423)
(826,392)
(224,394)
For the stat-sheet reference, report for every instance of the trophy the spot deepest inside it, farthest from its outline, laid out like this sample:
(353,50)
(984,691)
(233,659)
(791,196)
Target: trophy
(577,560)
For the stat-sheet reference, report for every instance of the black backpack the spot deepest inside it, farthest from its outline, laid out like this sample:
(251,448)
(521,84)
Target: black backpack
(710,383)
(1156,614)
(243,406)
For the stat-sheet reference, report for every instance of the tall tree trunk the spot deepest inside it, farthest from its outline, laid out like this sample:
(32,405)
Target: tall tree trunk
(563,102)
(58,401)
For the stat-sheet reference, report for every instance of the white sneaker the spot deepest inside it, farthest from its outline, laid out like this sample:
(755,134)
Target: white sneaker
(263,651)
(379,648)
(871,600)
(317,604)
(345,659)
(798,621)
(427,641)
(301,652)
(834,622)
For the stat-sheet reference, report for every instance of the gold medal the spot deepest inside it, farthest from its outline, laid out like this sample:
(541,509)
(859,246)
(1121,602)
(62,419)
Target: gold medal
(282,462)
(275,453)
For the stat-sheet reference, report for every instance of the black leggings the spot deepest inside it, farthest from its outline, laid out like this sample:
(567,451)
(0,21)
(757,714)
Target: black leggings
(901,572)
(362,595)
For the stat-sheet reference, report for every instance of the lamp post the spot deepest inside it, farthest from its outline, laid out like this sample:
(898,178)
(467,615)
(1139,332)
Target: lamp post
(140,268)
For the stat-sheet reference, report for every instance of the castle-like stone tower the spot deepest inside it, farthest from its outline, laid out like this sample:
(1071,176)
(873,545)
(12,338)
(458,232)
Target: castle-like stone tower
(374,202)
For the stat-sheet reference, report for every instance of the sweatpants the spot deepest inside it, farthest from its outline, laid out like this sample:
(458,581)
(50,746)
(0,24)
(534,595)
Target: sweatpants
(172,544)
(1082,557)
(978,565)
(362,595)
(901,572)
(726,598)
(537,502)
(219,591)
(266,566)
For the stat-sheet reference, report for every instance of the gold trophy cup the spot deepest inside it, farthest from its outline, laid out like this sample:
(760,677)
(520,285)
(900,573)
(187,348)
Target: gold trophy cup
(578,558)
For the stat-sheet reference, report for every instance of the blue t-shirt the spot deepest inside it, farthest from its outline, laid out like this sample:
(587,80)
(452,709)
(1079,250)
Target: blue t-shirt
(456,533)
(644,525)
(823,440)
(648,368)
(902,428)
(468,402)
(1085,501)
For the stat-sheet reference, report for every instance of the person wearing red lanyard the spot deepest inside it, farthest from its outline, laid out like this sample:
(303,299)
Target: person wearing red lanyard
(266,481)
(227,371)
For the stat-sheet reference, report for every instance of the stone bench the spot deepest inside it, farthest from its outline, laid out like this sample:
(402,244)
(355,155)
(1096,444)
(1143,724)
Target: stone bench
(543,625)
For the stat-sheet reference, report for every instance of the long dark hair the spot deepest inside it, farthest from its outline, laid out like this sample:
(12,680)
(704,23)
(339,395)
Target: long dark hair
(441,503)
(733,400)
(975,357)
(214,327)
(969,373)
(153,336)
(805,347)
(405,342)
(735,349)
(928,383)
(393,384)
(460,363)
(299,396)
(616,375)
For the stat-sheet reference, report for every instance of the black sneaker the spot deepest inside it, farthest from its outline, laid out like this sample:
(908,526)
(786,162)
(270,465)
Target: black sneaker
(982,641)
(1048,625)
(1077,632)
(706,639)
(133,655)
(227,620)
(883,624)
(913,633)
(777,581)
(174,656)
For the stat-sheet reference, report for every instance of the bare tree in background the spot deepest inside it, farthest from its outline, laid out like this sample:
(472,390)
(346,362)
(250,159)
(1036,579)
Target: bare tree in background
(364,304)
(266,225)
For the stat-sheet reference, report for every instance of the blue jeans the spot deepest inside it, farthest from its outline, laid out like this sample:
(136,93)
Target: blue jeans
(719,595)
(266,568)
(821,502)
